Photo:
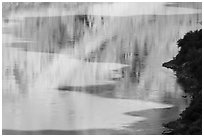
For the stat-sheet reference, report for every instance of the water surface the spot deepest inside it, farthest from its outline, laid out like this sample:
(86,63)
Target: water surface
(98,72)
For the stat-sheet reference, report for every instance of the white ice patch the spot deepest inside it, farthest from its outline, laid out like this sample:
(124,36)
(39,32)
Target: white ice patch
(73,111)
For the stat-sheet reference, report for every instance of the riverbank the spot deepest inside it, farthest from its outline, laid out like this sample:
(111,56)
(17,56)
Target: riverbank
(188,67)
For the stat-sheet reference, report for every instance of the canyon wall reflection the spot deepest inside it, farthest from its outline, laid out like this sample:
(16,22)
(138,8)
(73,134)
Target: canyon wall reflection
(79,72)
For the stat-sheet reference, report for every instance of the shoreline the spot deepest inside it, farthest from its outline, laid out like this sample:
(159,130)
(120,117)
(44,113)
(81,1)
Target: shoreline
(189,75)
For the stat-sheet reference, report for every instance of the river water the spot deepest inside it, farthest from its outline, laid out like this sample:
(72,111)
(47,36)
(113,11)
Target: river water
(95,69)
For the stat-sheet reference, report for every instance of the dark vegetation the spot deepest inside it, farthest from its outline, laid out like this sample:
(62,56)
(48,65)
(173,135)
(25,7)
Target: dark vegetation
(188,67)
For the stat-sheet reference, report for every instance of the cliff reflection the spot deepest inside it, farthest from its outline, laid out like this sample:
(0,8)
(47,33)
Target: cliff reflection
(71,69)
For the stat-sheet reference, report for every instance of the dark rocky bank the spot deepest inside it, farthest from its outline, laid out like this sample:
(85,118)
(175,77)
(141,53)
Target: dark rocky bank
(188,67)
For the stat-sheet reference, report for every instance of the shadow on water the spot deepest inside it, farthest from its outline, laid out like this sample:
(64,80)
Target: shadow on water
(90,89)
(67,132)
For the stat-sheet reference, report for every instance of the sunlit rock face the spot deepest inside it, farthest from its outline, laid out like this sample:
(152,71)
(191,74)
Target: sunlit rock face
(86,67)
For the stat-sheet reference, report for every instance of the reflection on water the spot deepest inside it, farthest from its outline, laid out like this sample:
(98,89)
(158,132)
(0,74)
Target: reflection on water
(78,72)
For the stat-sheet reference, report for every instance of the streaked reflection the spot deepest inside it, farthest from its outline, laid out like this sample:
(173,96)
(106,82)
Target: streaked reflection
(88,71)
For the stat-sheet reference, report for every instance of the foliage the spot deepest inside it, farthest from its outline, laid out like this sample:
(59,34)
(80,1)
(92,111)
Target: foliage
(188,67)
